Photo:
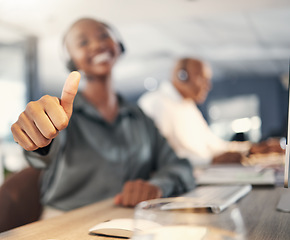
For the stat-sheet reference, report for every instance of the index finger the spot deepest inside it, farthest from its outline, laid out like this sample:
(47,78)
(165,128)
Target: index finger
(69,92)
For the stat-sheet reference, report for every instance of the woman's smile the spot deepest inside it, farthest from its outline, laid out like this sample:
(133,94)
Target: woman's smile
(103,57)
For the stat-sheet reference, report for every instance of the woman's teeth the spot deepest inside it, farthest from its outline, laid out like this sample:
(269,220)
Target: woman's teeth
(102,57)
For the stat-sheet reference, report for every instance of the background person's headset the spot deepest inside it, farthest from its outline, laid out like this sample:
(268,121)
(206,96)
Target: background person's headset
(182,73)
(113,33)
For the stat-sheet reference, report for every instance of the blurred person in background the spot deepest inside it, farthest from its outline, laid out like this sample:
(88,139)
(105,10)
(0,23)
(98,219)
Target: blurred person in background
(173,107)
(93,144)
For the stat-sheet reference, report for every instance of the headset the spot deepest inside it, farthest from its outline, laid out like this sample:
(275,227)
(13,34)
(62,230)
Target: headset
(113,33)
(182,73)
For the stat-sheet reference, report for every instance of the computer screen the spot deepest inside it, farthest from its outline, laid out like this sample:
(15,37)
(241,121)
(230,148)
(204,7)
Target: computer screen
(287,155)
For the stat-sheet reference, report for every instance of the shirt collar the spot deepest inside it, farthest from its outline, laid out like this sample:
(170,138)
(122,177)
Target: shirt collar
(170,91)
(81,104)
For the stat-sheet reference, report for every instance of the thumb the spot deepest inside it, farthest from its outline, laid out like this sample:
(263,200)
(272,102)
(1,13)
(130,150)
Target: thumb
(69,92)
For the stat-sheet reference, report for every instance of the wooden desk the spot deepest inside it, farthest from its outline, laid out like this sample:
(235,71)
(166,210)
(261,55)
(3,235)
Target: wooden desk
(258,210)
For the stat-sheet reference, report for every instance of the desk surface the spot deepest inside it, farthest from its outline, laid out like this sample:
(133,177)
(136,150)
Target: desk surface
(258,210)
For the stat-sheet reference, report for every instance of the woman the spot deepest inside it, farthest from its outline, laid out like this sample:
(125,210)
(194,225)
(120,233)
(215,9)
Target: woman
(108,147)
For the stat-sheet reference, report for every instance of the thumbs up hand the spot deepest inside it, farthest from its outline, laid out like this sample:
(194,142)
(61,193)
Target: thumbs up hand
(42,120)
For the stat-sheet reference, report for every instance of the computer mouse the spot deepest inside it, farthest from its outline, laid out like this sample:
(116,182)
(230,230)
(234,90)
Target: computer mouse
(121,227)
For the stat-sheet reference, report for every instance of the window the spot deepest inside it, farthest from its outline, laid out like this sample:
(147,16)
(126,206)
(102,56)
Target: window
(235,116)
(13,88)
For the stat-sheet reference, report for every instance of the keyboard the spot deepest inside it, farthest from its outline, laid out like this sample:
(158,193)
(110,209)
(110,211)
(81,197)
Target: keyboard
(212,198)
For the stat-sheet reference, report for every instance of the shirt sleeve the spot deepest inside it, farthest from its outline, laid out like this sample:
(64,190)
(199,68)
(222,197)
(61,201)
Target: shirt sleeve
(173,175)
(41,161)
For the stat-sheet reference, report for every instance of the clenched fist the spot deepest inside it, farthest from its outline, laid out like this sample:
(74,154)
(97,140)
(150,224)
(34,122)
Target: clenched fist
(42,120)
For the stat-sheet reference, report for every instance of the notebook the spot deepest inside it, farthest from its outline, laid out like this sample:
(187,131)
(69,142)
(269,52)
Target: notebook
(210,198)
(122,227)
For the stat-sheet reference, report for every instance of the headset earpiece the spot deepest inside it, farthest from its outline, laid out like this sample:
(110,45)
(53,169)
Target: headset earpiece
(122,48)
(115,35)
(71,65)
(182,73)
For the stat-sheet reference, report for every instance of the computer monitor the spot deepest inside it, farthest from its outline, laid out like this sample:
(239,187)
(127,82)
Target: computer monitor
(284,202)
(287,155)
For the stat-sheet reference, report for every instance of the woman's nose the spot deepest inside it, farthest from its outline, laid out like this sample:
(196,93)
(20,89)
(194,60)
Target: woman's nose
(96,45)
(209,85)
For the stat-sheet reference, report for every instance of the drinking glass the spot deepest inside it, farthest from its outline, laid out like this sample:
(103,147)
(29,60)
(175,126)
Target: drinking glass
(188,223)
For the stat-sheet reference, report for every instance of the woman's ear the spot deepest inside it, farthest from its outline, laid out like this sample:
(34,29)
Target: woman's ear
(180,86)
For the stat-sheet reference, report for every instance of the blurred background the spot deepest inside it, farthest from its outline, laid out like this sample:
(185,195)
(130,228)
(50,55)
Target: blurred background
(247,44)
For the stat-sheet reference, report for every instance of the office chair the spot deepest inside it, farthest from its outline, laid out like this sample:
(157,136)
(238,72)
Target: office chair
(20,199)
